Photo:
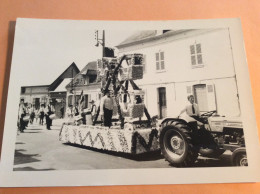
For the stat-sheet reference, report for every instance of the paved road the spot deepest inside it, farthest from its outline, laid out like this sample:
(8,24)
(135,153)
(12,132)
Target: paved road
(40,149)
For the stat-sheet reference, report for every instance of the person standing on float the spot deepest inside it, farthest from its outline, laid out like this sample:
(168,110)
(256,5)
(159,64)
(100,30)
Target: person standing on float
(106,108)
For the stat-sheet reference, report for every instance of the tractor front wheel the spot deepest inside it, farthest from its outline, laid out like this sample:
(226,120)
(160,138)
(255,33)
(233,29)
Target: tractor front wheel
(239,157)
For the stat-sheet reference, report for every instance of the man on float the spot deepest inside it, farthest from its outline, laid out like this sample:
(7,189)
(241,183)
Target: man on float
(106,108)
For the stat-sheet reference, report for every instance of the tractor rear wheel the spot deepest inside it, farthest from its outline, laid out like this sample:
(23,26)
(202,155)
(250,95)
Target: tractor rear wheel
(176,145)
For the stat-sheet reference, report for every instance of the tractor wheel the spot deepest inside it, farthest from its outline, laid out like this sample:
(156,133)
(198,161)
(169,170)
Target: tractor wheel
(211,153)
(239,157)
(176,145)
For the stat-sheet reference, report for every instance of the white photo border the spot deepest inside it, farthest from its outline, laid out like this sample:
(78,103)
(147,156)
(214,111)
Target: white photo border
(10,178)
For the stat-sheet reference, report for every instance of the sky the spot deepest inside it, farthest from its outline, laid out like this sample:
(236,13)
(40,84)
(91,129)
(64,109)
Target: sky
(43,49)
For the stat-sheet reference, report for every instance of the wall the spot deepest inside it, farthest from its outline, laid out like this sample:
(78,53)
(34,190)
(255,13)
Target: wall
(217,70)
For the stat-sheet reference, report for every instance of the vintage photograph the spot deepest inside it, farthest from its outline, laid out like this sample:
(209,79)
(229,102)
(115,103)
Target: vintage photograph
(126,99)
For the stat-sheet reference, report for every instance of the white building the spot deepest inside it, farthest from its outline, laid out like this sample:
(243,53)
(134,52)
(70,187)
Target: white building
(183,62)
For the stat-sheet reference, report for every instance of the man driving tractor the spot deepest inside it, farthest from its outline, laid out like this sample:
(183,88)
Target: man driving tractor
(192,110)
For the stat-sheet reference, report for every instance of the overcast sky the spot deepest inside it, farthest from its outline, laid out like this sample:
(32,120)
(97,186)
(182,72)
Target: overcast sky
(43,49)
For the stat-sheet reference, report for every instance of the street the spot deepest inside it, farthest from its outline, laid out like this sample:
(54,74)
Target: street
(39,149)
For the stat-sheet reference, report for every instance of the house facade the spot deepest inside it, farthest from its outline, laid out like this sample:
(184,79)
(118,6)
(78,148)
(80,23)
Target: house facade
(55,92)
(84,83)
(35,95)
(183,62)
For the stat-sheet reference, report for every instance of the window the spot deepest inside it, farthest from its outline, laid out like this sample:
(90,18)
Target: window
(70,100)
(92,78)
(196,55)
(144,63)
(164,31)
(22,90)
(159,57)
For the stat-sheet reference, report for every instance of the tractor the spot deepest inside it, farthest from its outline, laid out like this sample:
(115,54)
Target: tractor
(182,140)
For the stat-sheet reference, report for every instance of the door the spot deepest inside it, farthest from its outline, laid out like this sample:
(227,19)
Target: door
(86,97)
(37,103)
(200,93)
(162,102)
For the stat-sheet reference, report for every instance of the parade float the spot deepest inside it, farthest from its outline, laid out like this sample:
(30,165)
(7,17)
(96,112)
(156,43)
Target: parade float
(130,132)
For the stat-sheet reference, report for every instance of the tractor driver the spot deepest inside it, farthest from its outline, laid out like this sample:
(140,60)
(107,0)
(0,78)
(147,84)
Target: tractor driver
(192,110)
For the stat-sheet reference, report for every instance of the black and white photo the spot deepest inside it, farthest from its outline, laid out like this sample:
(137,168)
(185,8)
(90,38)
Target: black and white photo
(103,98)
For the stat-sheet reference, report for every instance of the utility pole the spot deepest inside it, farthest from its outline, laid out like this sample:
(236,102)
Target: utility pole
(101,41)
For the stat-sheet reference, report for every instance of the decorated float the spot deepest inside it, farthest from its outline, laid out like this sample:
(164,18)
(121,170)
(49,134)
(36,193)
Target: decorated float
(130,132)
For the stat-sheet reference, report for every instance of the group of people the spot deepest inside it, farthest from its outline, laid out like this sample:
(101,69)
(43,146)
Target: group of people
(28,113)
(77,112)
(106,112)
(107,104)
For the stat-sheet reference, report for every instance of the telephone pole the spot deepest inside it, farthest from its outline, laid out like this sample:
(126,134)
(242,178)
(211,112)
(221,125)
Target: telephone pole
(101,41)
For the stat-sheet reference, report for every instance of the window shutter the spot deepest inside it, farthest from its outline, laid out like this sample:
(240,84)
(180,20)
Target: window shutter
(193,60)
(157,66)
(199,58)
(157,61)
(157,56)
(162,64)
(144,63)
(189,89)
(210,88)
(198,48)
(162,56)
(192,50)
(211,97)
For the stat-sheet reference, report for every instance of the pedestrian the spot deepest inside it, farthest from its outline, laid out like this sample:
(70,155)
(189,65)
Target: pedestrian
(41,114)
(48,112)
(21,115)
(61,112)
(106,108)
(27,109)
(32,114)
(37,114)
(53,111)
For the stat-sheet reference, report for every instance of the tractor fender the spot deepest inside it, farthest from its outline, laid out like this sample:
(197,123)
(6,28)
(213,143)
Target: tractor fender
(167,121)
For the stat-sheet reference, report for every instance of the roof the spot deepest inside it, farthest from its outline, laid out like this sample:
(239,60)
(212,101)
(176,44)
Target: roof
(146,36)
(63,84)
(62,76)
(139,36)
(90,67)
(35,86)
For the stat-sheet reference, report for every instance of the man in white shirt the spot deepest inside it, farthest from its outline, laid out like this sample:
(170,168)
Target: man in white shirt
(192,109)
(106,108)
(70,112)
